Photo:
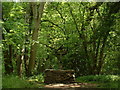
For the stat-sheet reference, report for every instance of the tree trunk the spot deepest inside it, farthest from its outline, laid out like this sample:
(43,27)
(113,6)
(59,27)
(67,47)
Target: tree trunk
(8,60)
(19,65)
(29,18)
(101,56)
(95,57)
(25,60)
(37,14)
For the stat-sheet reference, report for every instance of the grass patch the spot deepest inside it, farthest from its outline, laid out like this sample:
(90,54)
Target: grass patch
(12,81)
(103,81)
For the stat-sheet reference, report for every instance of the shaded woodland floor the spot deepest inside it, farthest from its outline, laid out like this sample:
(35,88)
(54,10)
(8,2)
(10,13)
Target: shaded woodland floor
(101,81)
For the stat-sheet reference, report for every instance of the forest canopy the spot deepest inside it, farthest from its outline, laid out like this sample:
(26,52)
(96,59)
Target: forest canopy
(83,36)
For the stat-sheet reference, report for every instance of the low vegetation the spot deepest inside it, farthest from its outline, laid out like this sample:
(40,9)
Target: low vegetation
(103,81)
(12,81)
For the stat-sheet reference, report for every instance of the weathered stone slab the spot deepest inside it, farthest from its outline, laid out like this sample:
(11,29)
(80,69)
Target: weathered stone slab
(59,76)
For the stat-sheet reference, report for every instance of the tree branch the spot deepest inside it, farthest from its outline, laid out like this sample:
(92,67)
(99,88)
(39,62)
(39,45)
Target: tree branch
(52,23)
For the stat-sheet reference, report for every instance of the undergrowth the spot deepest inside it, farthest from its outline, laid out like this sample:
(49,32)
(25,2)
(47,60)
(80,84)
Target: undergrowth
(39,78)
(12,81)
(103,81)
(37,81)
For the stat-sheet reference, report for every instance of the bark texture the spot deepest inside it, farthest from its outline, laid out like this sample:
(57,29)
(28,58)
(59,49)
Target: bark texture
(59,76)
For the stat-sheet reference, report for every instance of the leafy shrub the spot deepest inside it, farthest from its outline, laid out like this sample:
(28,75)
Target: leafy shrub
(39,78)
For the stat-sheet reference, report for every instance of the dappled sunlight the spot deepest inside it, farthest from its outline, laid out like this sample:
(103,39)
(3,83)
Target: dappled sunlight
(72,85)
(60,44)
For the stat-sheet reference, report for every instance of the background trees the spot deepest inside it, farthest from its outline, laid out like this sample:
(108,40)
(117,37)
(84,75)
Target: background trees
(59,35)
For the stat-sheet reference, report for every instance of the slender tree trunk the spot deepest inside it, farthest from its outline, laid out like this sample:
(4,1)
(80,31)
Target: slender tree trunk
(19,65)
(8,60)
(20,58)
(95,57)
(37,13)
(26,57)
(101,56)
(29,19)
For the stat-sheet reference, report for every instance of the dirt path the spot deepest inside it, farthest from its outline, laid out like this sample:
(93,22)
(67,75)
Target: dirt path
(72,85)
(65,86)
